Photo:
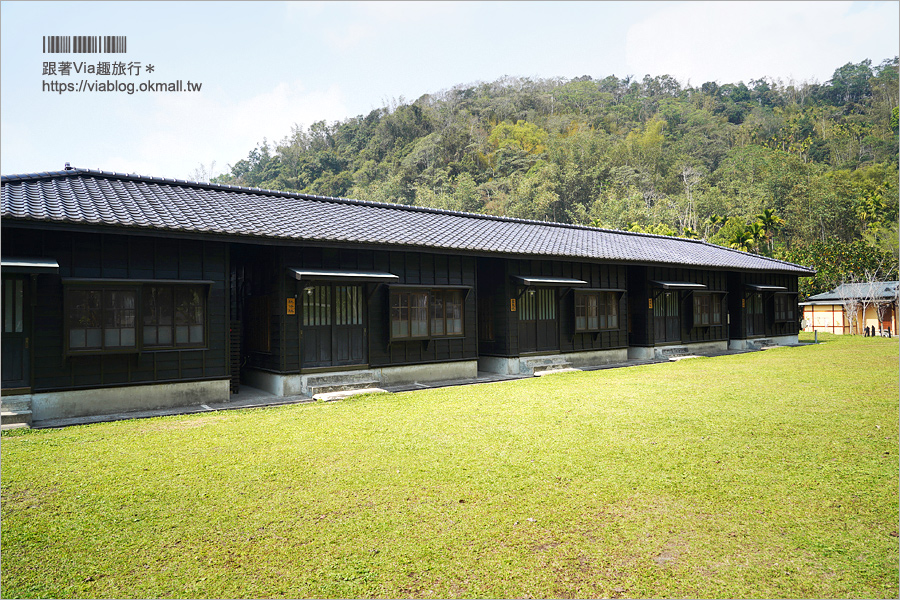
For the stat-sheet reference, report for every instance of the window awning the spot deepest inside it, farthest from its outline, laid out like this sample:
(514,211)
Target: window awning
(679,285)
(549,281)
(766,288)
(337,275)
(29,265)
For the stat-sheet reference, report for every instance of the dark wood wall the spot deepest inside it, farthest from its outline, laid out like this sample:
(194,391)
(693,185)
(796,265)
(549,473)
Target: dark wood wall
(496,288)
(641,291)
(116,256)
(414,269)
(738,284)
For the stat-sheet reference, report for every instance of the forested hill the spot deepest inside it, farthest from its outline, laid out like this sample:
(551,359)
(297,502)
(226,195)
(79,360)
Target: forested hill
(727,163)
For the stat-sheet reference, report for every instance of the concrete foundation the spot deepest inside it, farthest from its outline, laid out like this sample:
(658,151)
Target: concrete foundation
(104,401)
(652,352)
(757,343)
(309,384)
(525,365)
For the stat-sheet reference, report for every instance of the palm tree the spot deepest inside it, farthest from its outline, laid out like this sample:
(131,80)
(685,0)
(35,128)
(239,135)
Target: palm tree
(757,234)
(742,240)
(713,221)
(770,221)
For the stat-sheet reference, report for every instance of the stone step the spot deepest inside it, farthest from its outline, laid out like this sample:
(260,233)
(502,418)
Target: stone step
(544,361)
(671,351)
(341,386)
(682,357)
(6,427)
(544,364)
(552,371)
(15,419)
(343,377)
(340,395)
(15,403)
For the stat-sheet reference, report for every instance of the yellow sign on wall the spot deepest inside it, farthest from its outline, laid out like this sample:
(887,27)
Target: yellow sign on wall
(512,305)
(291,306)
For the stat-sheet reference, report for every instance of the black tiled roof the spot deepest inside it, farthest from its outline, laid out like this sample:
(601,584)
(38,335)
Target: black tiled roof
(876,290)
(89,197)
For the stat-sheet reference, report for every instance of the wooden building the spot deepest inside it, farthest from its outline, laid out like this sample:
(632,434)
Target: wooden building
(853,307)
(122,292)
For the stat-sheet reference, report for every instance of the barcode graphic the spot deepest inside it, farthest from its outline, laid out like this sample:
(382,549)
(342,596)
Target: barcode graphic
(84,44)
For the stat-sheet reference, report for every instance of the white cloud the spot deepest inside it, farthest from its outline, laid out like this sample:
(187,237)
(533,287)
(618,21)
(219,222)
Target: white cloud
(740,41)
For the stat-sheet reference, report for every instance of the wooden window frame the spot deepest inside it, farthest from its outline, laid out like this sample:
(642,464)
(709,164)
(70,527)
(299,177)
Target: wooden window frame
(103,312)
(202,294)
(607,309)
(708,305)
(138,289)
(401,307)
(788,312)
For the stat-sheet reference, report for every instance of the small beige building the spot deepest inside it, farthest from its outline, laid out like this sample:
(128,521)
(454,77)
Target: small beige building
(851,307)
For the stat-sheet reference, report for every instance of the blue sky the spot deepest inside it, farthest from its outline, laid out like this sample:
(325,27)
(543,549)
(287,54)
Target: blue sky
(265,66)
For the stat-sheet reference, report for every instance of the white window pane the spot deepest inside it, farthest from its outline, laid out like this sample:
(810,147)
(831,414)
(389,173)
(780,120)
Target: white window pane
(128,337)
(149,335)
(111,337)
(93,338)
(165,336)
(196,334)
(20,297)
(8,308)
(77,338)
(181,334)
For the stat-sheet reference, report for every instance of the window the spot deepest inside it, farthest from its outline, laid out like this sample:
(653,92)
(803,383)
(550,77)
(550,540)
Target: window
(101,319)
(446,313)
(596,311)
(13,305)
(707,310)
(421,314)
(537,304)
(173,315)
(349,305)
(784,307)
(118,318)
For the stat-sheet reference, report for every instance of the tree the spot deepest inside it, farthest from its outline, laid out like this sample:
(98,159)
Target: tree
(466,195)
(770,222)
(203,173)
(742,240)
(836,262)
(852,306)
(714,221)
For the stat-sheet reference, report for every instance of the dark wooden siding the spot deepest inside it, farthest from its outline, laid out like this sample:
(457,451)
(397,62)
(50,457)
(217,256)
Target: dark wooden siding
(496,283)
(641,291)
(413,268)
(121,257)
(737,304)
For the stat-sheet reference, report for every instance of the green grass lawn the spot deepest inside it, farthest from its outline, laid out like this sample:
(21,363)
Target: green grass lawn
(770,474)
